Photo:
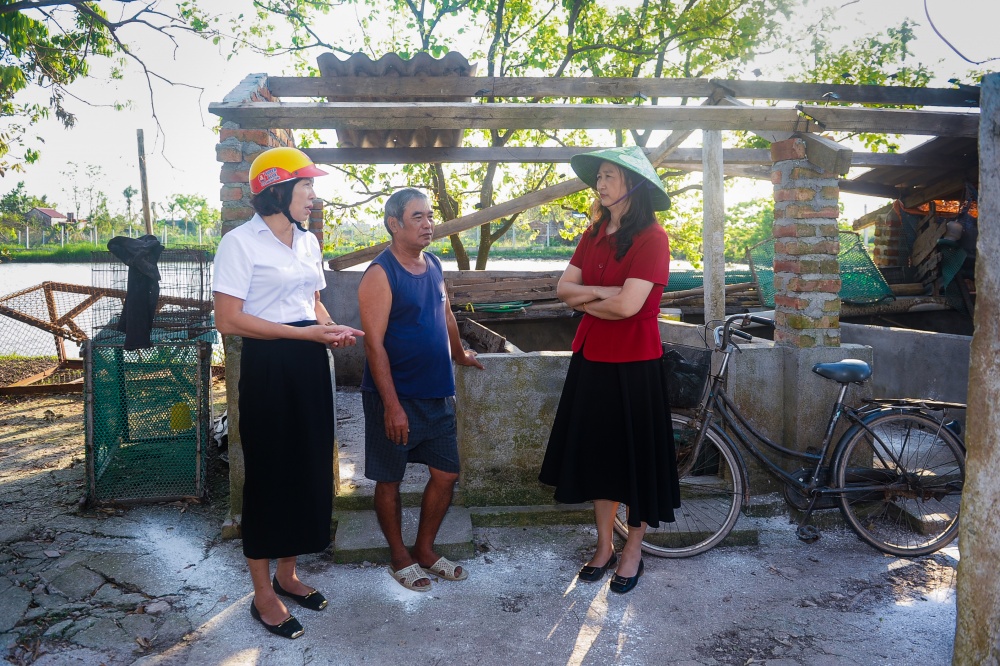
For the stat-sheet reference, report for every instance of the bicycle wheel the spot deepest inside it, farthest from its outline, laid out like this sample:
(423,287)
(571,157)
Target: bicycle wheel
(711,484)
(902,479)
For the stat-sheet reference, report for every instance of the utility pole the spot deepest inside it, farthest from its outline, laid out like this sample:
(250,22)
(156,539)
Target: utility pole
(142,183)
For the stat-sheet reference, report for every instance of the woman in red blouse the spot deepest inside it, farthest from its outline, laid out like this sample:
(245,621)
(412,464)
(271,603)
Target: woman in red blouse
(612,441)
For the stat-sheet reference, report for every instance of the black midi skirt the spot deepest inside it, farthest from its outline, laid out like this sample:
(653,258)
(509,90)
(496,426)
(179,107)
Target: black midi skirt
(287,430)
(612,439)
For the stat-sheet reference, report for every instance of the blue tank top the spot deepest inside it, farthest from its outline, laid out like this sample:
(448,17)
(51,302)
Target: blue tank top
(416,338)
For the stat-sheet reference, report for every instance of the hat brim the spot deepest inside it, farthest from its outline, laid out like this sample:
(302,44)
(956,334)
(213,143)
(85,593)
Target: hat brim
(586,165)
(309,171)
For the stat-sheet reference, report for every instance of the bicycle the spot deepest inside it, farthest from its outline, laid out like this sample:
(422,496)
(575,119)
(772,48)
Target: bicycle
(896,473)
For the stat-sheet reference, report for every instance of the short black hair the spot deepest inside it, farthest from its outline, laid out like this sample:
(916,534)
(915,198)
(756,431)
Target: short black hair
(274,199)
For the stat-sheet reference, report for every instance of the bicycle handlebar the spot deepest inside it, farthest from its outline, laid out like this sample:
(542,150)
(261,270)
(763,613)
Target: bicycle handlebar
(724,333)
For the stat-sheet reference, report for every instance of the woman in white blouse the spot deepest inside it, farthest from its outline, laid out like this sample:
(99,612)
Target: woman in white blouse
(267,278)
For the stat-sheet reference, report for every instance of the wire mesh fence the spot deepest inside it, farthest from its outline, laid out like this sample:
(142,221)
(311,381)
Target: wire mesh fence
(861,282)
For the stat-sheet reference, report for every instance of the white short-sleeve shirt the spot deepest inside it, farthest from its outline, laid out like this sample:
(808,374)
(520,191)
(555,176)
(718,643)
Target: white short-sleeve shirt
(275,282)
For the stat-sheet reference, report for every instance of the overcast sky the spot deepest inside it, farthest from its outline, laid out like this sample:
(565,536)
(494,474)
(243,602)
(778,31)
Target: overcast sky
(181,158)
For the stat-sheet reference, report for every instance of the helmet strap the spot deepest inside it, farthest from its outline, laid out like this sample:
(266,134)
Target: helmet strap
(625,196)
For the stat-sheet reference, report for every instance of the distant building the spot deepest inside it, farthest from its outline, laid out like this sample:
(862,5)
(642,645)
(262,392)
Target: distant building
(47,217)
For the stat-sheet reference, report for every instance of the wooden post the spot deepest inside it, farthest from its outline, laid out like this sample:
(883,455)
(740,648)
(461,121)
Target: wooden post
(977,636)
(142,184)
(714,224)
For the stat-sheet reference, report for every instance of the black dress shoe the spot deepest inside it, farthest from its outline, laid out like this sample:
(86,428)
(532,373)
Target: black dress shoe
(290,628)
(313,601)
(621,584)
(590,574)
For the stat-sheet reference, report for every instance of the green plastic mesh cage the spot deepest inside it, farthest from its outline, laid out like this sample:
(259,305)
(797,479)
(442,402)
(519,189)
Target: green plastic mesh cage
(147,420)
(147,412)
(861,281)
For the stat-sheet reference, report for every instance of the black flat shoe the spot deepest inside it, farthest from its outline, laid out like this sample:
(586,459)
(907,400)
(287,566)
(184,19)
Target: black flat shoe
(590,574)
(313,601)
(621,584)
(290,628)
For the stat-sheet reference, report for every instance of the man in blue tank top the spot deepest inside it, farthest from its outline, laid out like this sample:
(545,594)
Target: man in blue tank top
(408,385)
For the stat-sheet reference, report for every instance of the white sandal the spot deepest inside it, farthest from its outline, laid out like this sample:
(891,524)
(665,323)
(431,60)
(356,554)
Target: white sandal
(407,576)
(445,568)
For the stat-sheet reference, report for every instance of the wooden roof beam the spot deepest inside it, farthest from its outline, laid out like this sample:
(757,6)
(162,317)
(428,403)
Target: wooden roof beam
(424,87)
(562,155)
(457,115)
(893,121)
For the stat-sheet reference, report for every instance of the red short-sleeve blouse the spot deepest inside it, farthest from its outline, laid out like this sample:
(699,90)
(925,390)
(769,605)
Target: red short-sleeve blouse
(636,338)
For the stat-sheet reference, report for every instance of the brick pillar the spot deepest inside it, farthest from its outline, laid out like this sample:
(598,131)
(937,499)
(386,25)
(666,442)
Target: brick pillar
(806,270)
(238,147)
(887,250)
(316,221)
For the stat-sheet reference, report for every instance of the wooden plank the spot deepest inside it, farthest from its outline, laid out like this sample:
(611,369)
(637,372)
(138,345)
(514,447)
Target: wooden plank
(682,158)
(893,121)
(929,231)
(37,377)
(612,87)
(828,155)
(949,186)
(900,305)
(43,389)
(872,218)
(457,115)
(908,289)
(481,339)
(871,189)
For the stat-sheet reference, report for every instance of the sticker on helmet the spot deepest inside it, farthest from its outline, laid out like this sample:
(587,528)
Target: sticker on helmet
(268,177)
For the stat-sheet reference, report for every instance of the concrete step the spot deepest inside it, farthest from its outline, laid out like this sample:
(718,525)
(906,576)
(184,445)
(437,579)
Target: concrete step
(362,497)
(359,538)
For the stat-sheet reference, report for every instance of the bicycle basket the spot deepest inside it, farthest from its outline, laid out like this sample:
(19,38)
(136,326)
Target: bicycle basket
(687,369)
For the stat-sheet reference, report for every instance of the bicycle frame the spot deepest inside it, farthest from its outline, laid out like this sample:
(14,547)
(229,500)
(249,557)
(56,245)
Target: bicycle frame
(719,409)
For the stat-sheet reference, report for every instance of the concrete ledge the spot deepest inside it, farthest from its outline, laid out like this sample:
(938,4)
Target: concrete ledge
(532,516)
(359,537)
(362,499)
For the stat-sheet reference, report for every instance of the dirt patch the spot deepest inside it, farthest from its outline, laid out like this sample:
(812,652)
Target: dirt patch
(915,580)
(911,581)
(15,369)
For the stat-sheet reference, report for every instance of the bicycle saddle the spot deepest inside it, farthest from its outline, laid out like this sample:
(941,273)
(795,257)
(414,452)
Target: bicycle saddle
(848,371)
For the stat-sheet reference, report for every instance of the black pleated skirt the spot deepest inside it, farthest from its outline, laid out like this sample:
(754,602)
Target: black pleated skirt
(287,430)
(612,439)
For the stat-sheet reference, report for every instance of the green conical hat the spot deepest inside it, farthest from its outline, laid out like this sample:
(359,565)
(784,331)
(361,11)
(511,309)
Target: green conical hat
(632,158)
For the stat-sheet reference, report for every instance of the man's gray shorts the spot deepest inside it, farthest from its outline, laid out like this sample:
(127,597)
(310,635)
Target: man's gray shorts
(433,439)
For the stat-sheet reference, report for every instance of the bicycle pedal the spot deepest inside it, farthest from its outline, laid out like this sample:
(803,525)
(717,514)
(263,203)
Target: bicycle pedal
(807,533)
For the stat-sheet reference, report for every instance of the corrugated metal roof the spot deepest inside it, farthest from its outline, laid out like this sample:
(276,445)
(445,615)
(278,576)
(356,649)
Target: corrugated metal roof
(392,65)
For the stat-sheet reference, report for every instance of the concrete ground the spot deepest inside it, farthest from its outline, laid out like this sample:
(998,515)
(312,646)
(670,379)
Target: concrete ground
(155,585)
